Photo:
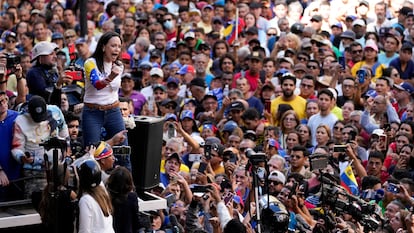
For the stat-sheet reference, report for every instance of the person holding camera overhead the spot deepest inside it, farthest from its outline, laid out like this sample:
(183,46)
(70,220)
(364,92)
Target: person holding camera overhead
(102,83)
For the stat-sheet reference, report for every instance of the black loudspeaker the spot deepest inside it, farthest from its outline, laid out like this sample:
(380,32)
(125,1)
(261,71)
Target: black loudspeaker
(146,145)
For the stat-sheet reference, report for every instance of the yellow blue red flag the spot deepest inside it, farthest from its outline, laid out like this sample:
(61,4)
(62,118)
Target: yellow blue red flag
(348,180)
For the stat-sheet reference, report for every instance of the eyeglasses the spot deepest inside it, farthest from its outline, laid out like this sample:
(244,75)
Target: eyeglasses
(338,128)
(312,67)
(356,51)
(289,119)
(275,182)
(10,41)
(69,36)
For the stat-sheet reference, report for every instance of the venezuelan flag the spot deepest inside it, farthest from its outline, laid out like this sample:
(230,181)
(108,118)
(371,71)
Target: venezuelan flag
(348,180)
(230,32)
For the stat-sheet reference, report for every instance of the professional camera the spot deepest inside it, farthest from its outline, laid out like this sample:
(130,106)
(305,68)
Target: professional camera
(12,61)
(255,157)
(339,201)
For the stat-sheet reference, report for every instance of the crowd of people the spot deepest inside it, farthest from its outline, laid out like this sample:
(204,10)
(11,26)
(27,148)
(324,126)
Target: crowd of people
(280,116)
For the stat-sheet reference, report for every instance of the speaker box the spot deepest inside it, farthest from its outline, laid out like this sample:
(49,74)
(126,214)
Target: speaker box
(146,144)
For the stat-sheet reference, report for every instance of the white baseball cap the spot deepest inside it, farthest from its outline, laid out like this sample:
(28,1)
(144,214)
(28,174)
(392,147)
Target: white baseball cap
(43,48)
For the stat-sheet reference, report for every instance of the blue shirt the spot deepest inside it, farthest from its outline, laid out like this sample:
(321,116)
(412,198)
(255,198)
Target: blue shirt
(7,162)
(409,70)
(255,103)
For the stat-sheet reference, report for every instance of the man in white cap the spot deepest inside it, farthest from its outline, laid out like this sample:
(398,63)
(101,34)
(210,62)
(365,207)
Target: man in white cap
(276,181)
(156,77)
(43,78)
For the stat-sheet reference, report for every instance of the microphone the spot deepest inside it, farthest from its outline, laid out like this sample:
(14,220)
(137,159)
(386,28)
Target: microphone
(177,228)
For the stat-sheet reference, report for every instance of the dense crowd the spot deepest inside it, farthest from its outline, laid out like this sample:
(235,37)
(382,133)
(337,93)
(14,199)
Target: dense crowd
(280,116)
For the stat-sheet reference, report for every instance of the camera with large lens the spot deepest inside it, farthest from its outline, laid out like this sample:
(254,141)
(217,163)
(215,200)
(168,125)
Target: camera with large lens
(12,61)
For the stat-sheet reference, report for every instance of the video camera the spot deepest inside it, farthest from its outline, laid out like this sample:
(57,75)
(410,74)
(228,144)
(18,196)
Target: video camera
(339,201)
(255,157)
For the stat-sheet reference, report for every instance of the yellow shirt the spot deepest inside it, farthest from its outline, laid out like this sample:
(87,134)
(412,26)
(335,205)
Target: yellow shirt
(183,167)
(337,112)
(359,65)
(298,104)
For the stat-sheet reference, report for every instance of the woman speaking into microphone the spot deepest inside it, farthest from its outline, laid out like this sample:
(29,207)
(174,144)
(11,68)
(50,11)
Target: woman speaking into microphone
(101,112)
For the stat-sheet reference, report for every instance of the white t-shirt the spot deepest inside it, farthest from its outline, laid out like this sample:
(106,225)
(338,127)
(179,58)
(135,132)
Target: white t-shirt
(317,120)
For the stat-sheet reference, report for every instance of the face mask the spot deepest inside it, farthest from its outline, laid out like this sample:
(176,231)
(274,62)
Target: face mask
(168,24)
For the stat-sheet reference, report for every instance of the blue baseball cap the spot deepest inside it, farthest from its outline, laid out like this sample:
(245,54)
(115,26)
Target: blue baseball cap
(229,126)
(371,93)
(187,114)
(405,87)
(174,80)
(282,71)
(171,116)
(186,69)
(57,35)
(176,65)
(171,45)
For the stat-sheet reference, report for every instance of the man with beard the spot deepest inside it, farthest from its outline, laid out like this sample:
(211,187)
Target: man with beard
(360,28)
(200,65)
(356,52)
(276,181)
(43,78)
(288,83)
(325,103)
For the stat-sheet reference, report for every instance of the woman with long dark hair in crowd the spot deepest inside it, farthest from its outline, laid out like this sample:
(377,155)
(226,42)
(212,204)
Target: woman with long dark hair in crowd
(124,201)
(102,83)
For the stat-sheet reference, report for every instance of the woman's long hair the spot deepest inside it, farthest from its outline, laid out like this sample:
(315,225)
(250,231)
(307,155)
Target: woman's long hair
(119,184)
(99,53)
(101,196)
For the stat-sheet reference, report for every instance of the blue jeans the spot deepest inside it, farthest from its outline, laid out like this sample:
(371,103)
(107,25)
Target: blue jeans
(93,120)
